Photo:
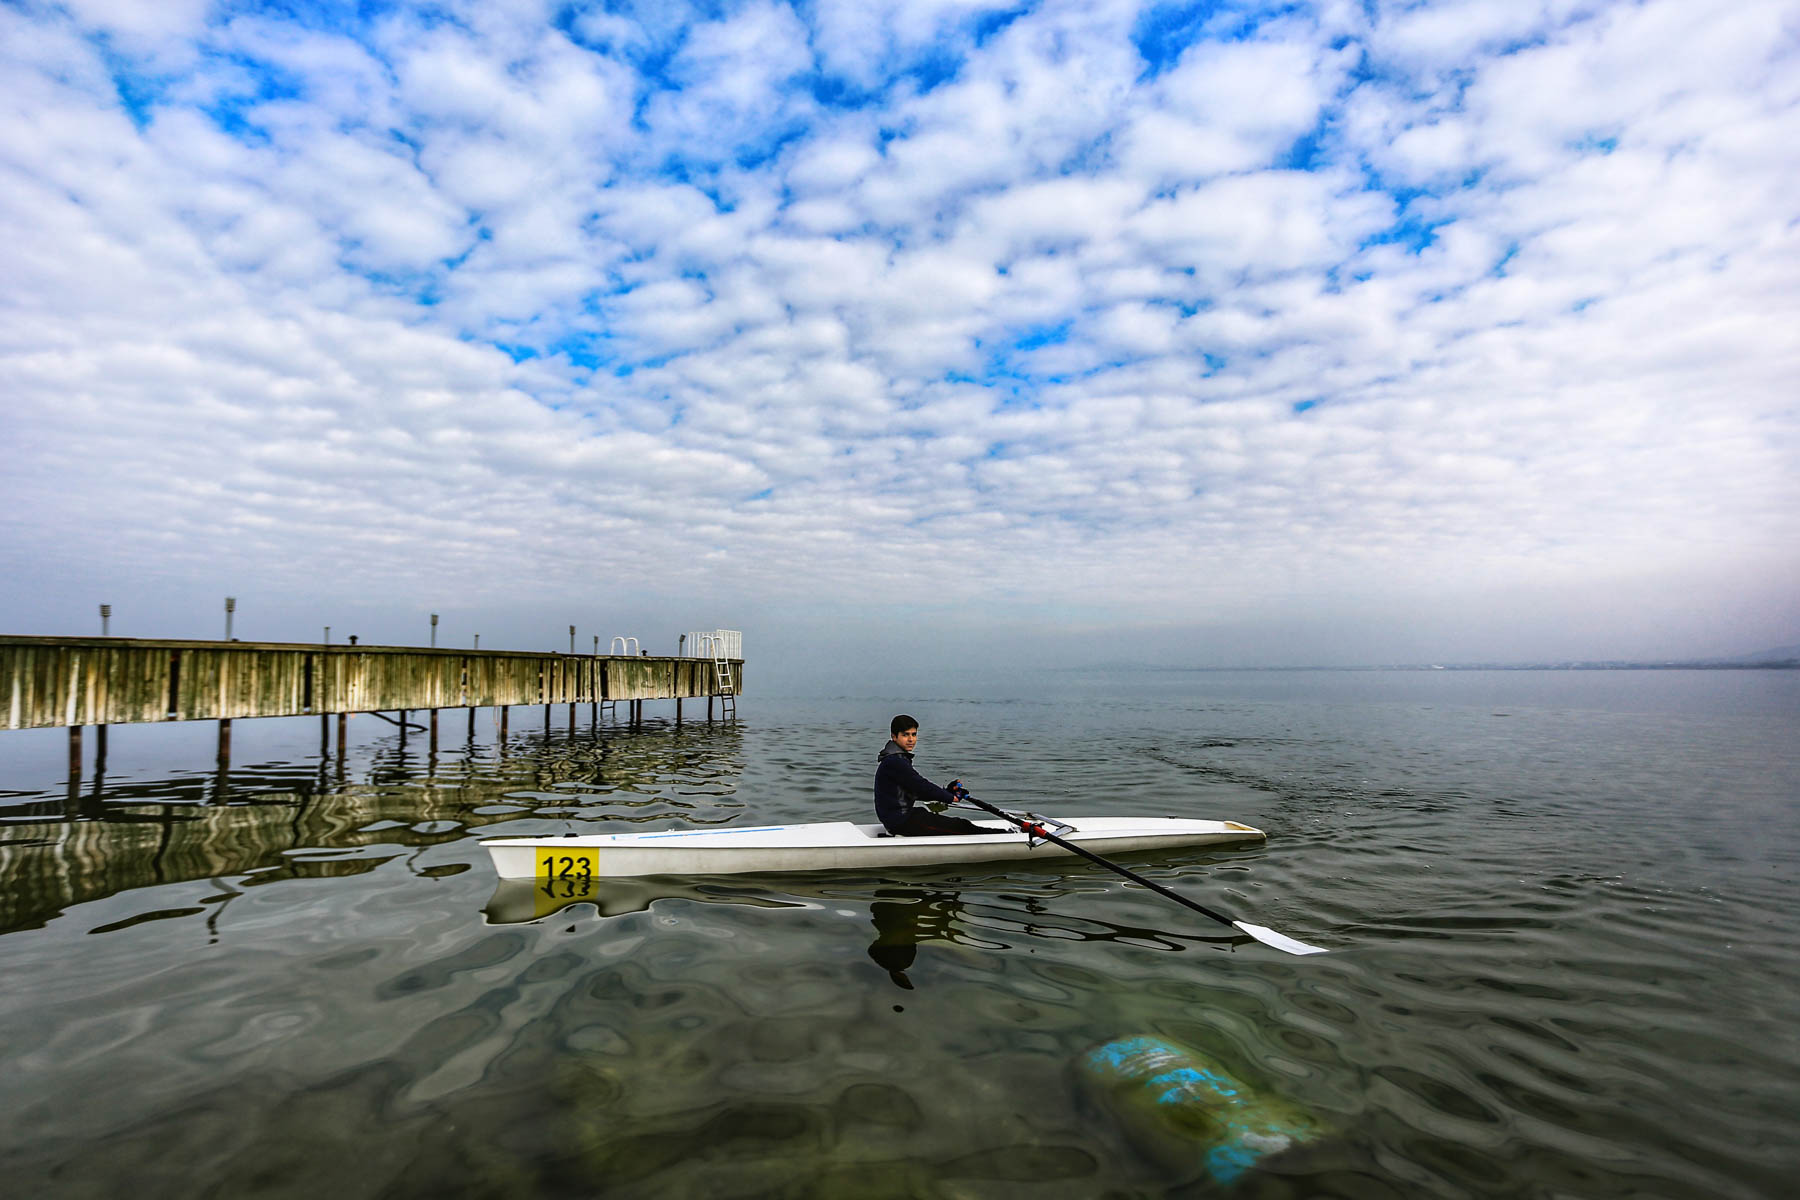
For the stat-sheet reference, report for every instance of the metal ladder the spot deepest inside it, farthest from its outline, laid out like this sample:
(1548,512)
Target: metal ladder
(727,692)
(619,646)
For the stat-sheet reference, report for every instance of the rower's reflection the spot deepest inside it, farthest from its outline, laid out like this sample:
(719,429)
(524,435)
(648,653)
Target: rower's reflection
(903,918)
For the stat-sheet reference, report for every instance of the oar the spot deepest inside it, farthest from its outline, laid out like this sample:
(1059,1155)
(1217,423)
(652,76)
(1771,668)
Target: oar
(1267,937)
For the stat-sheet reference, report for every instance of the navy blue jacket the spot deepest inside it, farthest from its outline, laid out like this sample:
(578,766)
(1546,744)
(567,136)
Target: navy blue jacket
(898,787)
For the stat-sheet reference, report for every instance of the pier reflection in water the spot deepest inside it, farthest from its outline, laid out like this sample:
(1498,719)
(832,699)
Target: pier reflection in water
(338,814)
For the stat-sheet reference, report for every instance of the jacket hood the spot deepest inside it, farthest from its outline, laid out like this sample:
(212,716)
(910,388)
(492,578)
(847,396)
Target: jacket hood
(892,747)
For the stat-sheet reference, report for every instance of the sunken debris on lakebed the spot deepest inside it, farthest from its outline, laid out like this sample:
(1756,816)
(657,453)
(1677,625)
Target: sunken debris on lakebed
(1182,1110)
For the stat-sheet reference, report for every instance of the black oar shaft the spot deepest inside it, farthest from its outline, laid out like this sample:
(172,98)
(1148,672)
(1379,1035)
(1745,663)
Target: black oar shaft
(1072,848)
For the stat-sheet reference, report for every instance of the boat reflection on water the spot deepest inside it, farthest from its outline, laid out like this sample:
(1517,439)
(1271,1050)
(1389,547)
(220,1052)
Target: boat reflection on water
(904,917)
(516,901)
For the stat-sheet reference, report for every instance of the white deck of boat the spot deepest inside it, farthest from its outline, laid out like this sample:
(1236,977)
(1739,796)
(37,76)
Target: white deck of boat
(849,833)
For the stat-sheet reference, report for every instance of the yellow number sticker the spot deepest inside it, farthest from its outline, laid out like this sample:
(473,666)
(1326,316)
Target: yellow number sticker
(564,875)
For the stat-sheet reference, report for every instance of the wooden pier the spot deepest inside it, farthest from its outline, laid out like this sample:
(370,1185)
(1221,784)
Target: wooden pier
(50,682)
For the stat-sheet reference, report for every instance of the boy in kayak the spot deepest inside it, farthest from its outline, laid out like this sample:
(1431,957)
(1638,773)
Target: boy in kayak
(901,793)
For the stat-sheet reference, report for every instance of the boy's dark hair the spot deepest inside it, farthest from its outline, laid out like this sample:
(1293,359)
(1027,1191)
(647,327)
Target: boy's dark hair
(901,724)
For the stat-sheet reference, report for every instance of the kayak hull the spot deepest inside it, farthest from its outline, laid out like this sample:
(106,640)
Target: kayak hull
(834,846)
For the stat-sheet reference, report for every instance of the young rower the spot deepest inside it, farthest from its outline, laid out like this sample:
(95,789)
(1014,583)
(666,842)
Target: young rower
(901,793)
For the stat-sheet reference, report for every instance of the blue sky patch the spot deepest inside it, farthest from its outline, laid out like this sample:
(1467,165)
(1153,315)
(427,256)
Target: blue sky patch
(985,25)
(1039,336)
(1595,143)
(1163,32)
(138,93)
(933,68)
(348,17)
(585,350)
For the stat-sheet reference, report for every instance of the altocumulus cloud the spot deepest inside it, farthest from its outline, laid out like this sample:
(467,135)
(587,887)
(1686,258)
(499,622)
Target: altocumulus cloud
(1209,316)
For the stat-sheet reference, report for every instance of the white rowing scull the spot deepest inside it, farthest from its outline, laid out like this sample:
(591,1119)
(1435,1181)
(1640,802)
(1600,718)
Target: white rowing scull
(835,846)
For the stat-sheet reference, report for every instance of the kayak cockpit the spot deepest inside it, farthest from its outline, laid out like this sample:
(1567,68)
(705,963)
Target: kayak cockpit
(880,831)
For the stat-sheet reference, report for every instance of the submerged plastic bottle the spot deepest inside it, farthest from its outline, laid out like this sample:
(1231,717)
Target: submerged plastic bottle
(1184,1111)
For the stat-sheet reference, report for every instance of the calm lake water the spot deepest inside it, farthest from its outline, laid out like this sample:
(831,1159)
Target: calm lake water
(1560,907)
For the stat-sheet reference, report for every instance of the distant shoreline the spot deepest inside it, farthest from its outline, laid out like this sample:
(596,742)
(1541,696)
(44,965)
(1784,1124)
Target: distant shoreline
(1781,665)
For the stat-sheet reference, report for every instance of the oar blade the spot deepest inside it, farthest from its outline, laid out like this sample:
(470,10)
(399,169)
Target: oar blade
(1035,827)
(1280,941)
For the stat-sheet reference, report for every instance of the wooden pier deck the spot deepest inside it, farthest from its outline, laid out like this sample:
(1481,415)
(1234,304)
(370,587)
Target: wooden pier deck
(48,682)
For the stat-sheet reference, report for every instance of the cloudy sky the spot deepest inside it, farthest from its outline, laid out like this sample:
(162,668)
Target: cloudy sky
(1302,332)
